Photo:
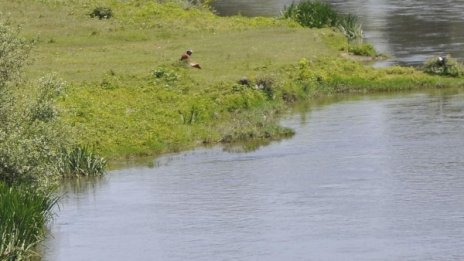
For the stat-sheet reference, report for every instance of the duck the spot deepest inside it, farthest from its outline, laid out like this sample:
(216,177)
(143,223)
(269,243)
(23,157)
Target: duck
(186,58)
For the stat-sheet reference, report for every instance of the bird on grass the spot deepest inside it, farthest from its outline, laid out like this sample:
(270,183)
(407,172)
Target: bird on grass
(186,59)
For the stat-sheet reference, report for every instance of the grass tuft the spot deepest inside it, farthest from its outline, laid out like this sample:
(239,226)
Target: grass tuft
(102,13)
(81,161)
(318,14)
(363,50)
(313,14)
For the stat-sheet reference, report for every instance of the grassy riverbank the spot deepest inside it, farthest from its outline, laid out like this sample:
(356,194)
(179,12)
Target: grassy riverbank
(128,95)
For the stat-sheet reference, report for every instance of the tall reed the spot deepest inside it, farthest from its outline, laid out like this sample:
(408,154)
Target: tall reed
(24,211)
(317,14)
(314,14)
(81,161)
(350,26)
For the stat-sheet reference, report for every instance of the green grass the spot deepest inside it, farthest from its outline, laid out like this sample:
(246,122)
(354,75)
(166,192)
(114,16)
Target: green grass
(447,66)
(24,211)
(311,14)
(82,161)
(318,14)
(129,95)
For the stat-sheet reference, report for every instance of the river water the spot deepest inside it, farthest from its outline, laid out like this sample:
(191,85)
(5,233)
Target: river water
(367,178)
(408,30)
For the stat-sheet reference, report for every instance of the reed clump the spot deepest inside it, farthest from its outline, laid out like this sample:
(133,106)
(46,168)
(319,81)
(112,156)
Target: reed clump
(24,211)
(82,161)
(318,14)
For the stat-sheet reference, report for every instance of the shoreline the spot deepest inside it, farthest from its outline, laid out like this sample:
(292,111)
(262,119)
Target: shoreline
(127,95)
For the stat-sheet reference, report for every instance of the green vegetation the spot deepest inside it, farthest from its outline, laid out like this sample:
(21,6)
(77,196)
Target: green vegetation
(317,14)
(102,13)
(312,14)
(128,94)
(117,86)
(27,145)
(83,162)
(363,50)
(31,143)
(24,211)
(445,66)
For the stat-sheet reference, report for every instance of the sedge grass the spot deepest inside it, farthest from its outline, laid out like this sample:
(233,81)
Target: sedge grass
(318,14)
(24,211)
(82,161)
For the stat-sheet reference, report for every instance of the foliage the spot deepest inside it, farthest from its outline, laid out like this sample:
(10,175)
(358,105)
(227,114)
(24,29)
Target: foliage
(166,74)
(31,143)
(446,66)
(266,84)
(363,50)
(81,161)
(331,76)
(14,52)
(136,110)
(24,211)
(350,26)
(317,14)
(102,13)
(31,138)
(312,14)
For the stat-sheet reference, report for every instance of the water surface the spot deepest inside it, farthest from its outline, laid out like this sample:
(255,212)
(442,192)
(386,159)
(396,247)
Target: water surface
(376,178)
(409,30)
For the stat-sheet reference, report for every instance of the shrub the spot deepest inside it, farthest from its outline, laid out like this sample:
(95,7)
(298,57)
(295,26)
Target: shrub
(446,66)
(102,13)
(14,53)
(48,89)
(31,138)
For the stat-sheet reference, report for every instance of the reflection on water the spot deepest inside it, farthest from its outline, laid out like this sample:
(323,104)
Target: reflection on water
(372,179)
(411,30)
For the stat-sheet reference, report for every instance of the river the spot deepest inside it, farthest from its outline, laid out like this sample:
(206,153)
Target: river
(365,178)
(410,31)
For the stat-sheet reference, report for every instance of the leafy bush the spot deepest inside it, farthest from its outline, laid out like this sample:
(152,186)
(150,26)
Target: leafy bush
(102,13)
(14,52)
(31,138)
(24,211)
(446,66)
